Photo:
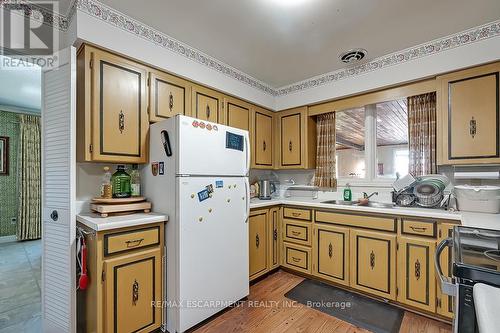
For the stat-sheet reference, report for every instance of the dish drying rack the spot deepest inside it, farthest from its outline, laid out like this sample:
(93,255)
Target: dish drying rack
(302,191)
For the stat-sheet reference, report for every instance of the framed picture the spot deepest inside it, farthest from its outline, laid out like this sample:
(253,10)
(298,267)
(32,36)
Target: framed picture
(4,155)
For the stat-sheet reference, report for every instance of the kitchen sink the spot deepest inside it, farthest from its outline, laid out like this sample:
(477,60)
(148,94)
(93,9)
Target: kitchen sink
(341,202)
(373,204)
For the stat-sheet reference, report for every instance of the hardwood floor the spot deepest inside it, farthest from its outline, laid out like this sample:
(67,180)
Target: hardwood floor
(267,310)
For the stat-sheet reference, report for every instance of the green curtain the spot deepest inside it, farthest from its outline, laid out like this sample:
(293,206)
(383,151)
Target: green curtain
(29,217)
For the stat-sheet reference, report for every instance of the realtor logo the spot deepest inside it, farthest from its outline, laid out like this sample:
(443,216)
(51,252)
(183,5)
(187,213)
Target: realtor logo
(26,34)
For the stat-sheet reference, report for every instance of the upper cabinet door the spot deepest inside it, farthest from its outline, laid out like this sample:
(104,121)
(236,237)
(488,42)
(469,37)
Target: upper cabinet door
(263,139)
(290,140)
(297,136)
(469,105)
(207,104)
(112,111)
(237,113)
(168,96)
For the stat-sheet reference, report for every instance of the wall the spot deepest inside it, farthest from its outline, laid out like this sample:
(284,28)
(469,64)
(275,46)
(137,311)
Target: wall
(8,184)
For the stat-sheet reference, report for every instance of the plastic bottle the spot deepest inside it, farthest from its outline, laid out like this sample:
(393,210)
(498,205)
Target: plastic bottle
(347,193)
(135,181)
(121,183)
(106,188)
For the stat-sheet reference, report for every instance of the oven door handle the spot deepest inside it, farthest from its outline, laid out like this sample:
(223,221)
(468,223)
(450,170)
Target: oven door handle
(447,284)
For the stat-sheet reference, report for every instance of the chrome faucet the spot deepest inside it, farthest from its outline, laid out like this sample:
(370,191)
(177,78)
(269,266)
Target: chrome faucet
(366,196)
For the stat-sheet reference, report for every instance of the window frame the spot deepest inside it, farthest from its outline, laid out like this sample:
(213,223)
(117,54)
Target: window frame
(371,175)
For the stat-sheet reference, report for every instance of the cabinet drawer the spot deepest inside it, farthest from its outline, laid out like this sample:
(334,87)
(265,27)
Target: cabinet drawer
(297,232)
(297,257)
(361,221)
(131,240)
(296,213)
(420,228)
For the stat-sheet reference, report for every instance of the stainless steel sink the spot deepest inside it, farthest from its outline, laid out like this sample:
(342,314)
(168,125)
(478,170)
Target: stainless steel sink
(341,202)
(373,204)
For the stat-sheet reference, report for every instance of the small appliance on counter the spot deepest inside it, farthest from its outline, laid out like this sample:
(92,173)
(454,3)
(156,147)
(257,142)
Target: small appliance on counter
(425,191)
(266,189)
(476,258)
(483,199)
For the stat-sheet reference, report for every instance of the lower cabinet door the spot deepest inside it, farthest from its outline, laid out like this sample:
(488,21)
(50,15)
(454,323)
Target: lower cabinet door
(257,242)
(331,253)
(132,285)
(445,303)
(373,263)
(274,222)
(417,281)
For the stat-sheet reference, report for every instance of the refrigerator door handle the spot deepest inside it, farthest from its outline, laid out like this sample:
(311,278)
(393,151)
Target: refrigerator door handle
(247,200)
(247,147)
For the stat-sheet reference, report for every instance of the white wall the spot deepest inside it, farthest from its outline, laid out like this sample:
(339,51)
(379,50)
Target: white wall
(464,56)
(92,30)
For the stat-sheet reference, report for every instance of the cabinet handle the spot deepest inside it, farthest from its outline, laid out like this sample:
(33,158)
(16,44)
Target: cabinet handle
(295,233)
(372,260)
(171,101)
(290,146)
(473,127)
(330,250)
(134,242)
(264,145)
(275,234)
(208,111)
(121,121)
(296,214)
(418,229)
(257,240)
(295,259)
(417,269)
(135,292)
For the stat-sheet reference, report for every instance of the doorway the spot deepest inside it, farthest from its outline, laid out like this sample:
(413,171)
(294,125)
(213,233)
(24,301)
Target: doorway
(20,199)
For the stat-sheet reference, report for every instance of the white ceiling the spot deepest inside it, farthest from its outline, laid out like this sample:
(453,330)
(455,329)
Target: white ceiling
(281,44)
(20,88)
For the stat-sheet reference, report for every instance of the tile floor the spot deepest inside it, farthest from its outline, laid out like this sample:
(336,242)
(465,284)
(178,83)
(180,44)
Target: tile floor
(20,280)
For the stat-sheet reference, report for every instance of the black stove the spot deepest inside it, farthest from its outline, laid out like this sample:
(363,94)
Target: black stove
(476,255)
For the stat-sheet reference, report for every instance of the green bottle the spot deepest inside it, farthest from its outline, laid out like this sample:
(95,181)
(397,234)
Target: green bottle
(347,193)
(121,183)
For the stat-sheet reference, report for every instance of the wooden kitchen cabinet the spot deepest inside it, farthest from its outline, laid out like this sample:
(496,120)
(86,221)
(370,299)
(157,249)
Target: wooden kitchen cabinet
(207,104)
(274,238)
(168,96)
(263,138)
(468,104)
(131,286)
(236,113)
(258,231)
(297,139)
(111,108)
(125,278)
(373,262)
(417,279)
(331,253)
(445,303)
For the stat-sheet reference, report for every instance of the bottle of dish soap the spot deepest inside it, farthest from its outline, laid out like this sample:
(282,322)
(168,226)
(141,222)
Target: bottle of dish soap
(347,193)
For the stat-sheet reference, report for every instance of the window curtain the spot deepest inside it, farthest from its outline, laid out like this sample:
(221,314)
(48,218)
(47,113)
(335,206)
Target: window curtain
(29,178)
(325,152)
(422,134)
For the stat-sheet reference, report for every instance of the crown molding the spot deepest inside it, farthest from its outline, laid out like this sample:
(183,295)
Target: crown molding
(111,16)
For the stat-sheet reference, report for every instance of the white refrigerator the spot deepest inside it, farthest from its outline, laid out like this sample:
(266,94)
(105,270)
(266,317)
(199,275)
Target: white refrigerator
(198,176)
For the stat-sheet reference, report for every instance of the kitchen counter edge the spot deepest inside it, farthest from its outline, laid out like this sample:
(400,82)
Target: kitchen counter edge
(97,223)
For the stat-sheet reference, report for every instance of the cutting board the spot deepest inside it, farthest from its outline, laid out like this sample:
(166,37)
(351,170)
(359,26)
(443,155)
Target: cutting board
(123,206)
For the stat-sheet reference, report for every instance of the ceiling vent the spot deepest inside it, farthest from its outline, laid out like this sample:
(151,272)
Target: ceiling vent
(352,56)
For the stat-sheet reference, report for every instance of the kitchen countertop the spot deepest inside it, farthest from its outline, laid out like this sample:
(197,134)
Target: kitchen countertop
(477,220)
(97,223)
